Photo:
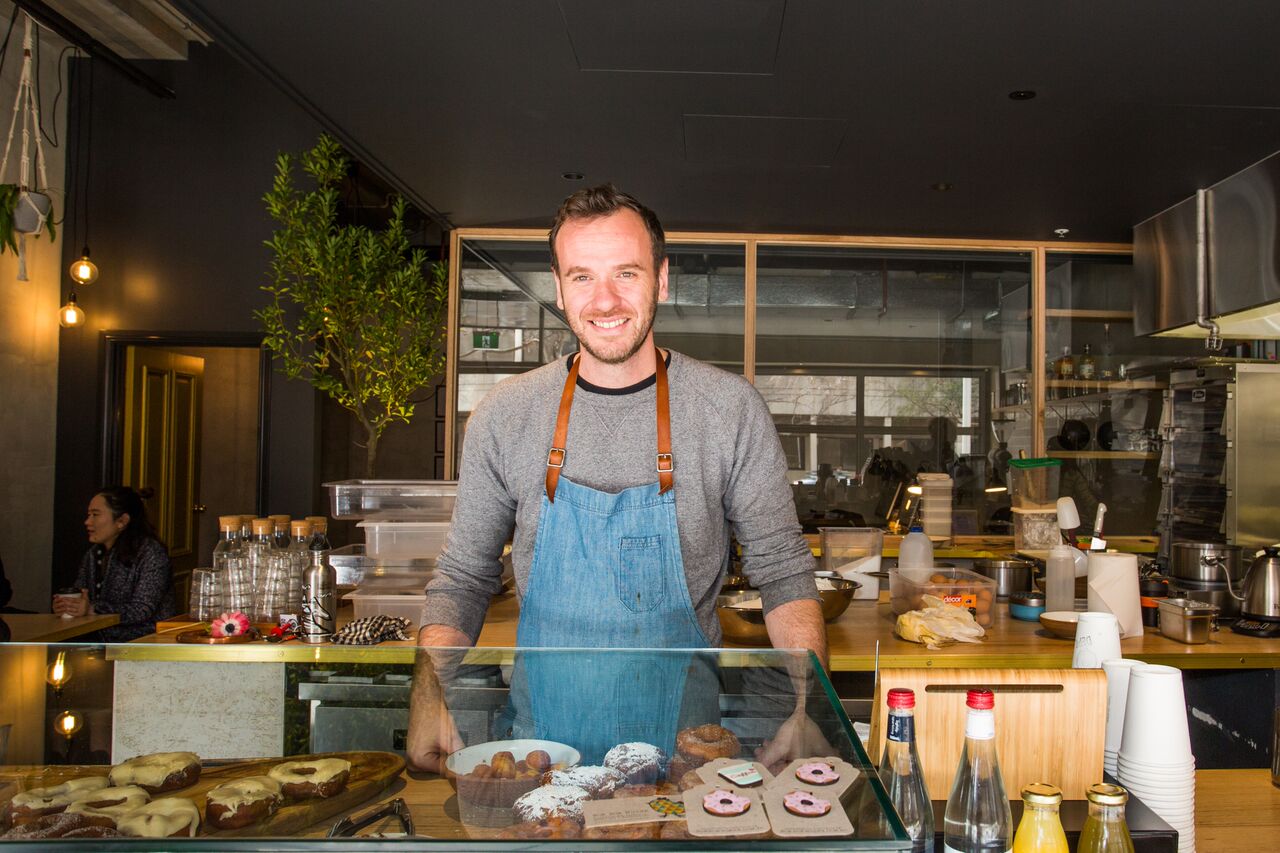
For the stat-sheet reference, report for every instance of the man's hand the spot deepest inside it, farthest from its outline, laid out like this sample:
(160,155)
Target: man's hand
(797,737)
(432,732)
(798,625)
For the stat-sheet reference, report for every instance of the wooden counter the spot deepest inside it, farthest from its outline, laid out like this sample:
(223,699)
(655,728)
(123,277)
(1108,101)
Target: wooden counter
(853,640)
(52,628)
(987,547)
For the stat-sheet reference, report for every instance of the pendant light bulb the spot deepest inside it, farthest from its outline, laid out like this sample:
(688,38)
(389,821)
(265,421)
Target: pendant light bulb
(83,270)
(71,315)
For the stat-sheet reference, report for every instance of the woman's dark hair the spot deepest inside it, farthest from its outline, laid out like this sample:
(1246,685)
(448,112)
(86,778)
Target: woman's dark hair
(121,500)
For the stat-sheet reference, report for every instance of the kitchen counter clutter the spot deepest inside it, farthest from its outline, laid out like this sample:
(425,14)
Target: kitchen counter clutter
(652,733)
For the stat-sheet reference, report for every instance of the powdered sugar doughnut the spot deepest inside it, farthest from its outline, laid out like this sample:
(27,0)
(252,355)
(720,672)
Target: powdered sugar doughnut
(599,782)
(639,762)
(48,826)
(805,804)
(817,773)
(725,803)
(563,801)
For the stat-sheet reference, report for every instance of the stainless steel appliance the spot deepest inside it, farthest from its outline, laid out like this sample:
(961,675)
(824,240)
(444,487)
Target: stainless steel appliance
(1207,562)
(1218,467)
(1260,604)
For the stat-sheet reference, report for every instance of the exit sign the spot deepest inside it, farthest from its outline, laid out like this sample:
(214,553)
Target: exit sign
(484,340)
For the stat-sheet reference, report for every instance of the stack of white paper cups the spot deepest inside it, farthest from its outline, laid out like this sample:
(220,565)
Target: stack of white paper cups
(1117,670)
(1097,639)
(1155,761)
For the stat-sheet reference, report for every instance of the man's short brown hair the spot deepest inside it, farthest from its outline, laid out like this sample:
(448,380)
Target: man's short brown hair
(604,200)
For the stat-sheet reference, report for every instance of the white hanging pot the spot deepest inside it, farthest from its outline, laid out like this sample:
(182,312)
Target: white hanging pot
(32,212)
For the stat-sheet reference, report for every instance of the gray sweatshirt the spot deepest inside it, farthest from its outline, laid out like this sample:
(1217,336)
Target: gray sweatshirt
(730,476)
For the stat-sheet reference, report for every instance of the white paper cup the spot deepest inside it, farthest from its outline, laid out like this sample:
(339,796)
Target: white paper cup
(1117,670)
(1097,639)
(1155,718)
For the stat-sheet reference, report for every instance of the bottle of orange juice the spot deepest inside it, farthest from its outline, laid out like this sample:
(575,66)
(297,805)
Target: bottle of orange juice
(1040,830)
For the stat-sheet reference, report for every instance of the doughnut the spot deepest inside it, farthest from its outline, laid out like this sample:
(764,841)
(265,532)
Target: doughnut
(626,832)
(725,803)
(93,832)
(171,817)
(539,760)
(682,764)
(158,772)
(690,780)
(708,743)
(562,801)
(817,773)
(39,802)
(554,827)
(233,805)
(48,826)
(106,806)
(598,782)
(504,765)
(639,762)
(305,780)
(805,804)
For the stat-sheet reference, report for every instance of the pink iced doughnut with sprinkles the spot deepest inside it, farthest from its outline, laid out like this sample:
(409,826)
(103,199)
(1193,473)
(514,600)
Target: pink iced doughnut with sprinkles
(722,803)
(817,773)
(805,804)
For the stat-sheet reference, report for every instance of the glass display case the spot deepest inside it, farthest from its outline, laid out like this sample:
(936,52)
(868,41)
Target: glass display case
(332,726)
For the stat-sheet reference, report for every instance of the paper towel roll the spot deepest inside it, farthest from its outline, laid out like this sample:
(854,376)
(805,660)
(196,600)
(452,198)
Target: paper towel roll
(1113,587)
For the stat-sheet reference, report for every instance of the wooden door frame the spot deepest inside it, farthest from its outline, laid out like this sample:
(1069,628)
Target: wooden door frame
(115,345)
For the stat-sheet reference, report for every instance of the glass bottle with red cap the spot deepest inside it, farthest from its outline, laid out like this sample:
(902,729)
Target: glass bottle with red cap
(901,774)
(978,818)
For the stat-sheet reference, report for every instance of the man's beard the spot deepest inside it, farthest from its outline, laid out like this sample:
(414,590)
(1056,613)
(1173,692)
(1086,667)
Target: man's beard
(618,351)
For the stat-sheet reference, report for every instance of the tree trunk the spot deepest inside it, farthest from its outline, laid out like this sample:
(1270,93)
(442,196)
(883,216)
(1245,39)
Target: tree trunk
(371,450)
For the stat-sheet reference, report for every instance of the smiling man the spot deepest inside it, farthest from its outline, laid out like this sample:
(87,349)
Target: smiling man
(620,473)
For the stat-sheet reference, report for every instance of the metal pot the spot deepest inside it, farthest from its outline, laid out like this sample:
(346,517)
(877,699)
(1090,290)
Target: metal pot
(1010,575)
(1206,562)
(1210,593)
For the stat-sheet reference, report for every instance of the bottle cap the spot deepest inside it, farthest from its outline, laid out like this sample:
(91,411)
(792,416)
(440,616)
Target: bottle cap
(1107,795)
(280,521)
(981,700)
(261,526)
(319,523)
(228,522)
(901,698)
(300,528)
(1042,794)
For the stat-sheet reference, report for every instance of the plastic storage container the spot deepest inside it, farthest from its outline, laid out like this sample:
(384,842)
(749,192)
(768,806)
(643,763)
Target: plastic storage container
(353,566)
(851,552)
(1034,483)
(424,500)
(384,537)
(907,588)
(1035,530)
(409,603)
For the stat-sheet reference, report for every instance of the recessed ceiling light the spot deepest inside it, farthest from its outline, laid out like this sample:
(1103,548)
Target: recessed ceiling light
(571,176)
(1022,94)
(943,186)
(1062,232)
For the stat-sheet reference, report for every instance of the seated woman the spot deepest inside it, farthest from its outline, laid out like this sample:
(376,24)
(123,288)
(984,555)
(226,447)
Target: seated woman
(126,571)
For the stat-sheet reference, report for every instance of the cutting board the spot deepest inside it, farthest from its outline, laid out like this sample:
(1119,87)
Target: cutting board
(1050,724)
(371,773)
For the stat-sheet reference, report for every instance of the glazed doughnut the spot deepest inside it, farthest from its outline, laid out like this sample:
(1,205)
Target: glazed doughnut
(626,831)
(39,802)
(817,773)
(48,826)
(708,743)
(158,772)
(171,817)
(639,762)
(805,804)
(725,803)
(551,801)
(106,806)
(233,805)
(598,782)
(305,780)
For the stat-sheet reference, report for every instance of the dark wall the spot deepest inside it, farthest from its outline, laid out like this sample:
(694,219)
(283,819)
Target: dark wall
(176,225)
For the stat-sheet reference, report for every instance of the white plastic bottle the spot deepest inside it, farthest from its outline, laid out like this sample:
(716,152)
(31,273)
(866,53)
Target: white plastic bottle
(1060,579)
(916,550)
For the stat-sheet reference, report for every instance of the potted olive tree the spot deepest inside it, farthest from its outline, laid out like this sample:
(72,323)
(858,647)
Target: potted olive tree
(354,310)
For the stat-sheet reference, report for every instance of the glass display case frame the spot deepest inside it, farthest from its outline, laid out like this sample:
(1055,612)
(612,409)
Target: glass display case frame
(131,699)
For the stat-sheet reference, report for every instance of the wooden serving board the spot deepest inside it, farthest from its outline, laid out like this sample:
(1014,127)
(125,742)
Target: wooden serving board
(371,773)
(1050,724)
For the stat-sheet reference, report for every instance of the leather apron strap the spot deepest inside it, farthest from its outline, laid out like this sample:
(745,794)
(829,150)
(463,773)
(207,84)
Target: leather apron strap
(665,462)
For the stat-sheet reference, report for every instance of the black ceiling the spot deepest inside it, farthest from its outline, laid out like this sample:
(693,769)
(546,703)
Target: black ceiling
(814,116)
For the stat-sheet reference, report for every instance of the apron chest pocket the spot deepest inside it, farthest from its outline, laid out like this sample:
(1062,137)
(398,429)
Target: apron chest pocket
(639,574)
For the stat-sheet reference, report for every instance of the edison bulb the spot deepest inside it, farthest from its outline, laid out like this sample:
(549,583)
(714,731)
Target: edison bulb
(67,723)
(58,673)
(71,315)
(83,270)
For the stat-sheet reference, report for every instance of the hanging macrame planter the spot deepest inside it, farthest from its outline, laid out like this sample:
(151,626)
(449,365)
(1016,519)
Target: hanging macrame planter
(25,210)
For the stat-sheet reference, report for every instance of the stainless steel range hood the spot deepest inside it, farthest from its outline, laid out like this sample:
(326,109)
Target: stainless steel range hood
(1241,254)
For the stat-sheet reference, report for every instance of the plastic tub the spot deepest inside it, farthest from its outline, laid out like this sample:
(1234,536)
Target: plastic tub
(1034,483)
(907,588)
(851,552)
(425,500)
(409,603)
(399,538)
(1035,530)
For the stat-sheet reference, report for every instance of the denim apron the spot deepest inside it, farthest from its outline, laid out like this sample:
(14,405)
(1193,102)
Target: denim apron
(607,573)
